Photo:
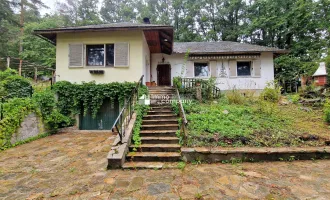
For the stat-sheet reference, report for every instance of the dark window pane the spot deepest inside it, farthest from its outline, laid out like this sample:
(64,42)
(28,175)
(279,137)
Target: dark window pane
(95,55)
(243,68)
(110,54)
(201,69)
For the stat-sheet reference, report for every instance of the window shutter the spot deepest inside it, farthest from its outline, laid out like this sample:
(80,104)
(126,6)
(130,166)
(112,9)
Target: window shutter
(233,68)
(190,69)
(121,54)
(76,55)
(257,68)
(213,67)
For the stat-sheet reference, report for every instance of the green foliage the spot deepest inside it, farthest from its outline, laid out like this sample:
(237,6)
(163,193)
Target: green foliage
(257,123)
(90,96)
(294,98)
(140,111)
(14,111)
(46,102)
(235,97)
(326,111)
(181,165)
(12,85)
(272,92)
(206,86)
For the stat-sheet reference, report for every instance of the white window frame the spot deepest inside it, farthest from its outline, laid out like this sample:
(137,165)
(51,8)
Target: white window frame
(208,65)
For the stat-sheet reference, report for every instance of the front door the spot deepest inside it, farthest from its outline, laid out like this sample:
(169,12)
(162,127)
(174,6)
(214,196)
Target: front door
(164,75)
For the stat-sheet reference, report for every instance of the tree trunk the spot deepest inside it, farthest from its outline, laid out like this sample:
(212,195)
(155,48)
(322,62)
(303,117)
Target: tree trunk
(21,38)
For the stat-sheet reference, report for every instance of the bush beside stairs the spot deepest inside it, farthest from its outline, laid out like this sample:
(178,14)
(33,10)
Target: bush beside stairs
(159,144)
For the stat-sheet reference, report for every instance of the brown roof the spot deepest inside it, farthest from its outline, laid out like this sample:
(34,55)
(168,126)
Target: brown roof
(224,47)
(159,37)
(121,25)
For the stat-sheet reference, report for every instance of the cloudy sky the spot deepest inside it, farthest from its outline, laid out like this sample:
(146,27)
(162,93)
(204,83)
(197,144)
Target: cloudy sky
(51,4)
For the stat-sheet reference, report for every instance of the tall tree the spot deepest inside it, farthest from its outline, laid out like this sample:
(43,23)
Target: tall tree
(88,12)
(118,11)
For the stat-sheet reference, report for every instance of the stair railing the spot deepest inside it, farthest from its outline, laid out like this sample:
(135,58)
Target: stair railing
(184,121)
(126,112)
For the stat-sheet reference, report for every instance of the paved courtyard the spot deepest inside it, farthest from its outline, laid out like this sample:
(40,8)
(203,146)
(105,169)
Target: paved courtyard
(73,166)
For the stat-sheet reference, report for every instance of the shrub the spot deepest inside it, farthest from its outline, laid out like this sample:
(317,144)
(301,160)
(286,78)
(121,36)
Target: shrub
(294,98)
(15,86)
(272,92)
(326,111)
(235,97)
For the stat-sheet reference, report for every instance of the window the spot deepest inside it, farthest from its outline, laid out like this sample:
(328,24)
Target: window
(110,52)
(201,70)
(243,68)
(96,56)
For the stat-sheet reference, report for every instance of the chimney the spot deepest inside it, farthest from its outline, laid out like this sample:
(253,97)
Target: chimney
(146,20)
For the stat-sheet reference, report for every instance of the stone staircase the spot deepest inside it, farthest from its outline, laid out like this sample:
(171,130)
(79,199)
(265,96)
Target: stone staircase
(160,145)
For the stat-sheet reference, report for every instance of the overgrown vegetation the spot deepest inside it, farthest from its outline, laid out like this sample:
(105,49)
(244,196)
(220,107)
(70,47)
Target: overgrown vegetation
(206,87)
(55,113)
(236,120)
(89,96)
(140,111)
(12,85)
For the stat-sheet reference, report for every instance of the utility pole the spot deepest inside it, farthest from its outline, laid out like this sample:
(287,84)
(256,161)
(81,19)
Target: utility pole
(21,38)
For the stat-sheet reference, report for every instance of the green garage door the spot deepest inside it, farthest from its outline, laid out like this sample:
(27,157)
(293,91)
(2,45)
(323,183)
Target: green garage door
(104,119)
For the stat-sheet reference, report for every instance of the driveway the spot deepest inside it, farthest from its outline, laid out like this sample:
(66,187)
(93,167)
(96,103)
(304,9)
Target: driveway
(73,166)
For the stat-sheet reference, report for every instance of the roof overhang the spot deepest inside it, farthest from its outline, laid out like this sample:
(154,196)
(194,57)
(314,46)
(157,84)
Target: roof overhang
(159,38)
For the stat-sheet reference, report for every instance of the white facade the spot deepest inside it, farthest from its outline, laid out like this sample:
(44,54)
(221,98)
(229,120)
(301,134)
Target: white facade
(220,69)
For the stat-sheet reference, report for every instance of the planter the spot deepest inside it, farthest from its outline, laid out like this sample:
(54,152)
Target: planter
(148,84)
(153,83)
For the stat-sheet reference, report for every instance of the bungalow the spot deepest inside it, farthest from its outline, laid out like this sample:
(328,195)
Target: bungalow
(121,52)
(125,51)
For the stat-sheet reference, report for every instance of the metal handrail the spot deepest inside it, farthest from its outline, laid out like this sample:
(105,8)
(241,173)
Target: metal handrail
(183,117)
(126,113)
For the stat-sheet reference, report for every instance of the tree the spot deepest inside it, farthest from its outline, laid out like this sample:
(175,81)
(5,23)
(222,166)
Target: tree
(88,12)
(118,11)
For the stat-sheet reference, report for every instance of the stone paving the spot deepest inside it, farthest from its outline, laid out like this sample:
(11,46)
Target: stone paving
(73,166)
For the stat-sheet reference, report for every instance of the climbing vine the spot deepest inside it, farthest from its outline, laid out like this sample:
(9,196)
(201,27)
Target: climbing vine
(140,111)
(14,111)
(89,96)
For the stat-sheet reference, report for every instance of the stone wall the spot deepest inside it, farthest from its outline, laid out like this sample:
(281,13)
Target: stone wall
(31,126)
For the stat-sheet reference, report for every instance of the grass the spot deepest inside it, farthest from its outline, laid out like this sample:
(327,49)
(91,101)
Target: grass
(253,123)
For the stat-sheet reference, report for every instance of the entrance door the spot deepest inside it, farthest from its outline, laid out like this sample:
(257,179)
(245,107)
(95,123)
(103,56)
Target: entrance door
(164,75)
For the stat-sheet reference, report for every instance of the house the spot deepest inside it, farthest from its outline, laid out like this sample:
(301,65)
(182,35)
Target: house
(122,52)
(320,76)
(125,51)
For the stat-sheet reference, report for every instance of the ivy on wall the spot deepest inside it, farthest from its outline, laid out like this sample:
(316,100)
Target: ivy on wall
(89,96)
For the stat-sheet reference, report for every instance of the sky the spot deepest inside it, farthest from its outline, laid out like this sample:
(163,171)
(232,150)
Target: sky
(51,4)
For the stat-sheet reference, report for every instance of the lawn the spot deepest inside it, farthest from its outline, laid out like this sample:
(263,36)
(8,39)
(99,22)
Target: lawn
(254,123)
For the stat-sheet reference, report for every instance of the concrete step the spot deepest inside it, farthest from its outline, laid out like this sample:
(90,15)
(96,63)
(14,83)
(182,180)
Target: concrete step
(153,156)
(159,140)
(156,117)
(166,107)
(160,127)
(160,121)
(160,112)
(156,148)
(149,165)
(158,133)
